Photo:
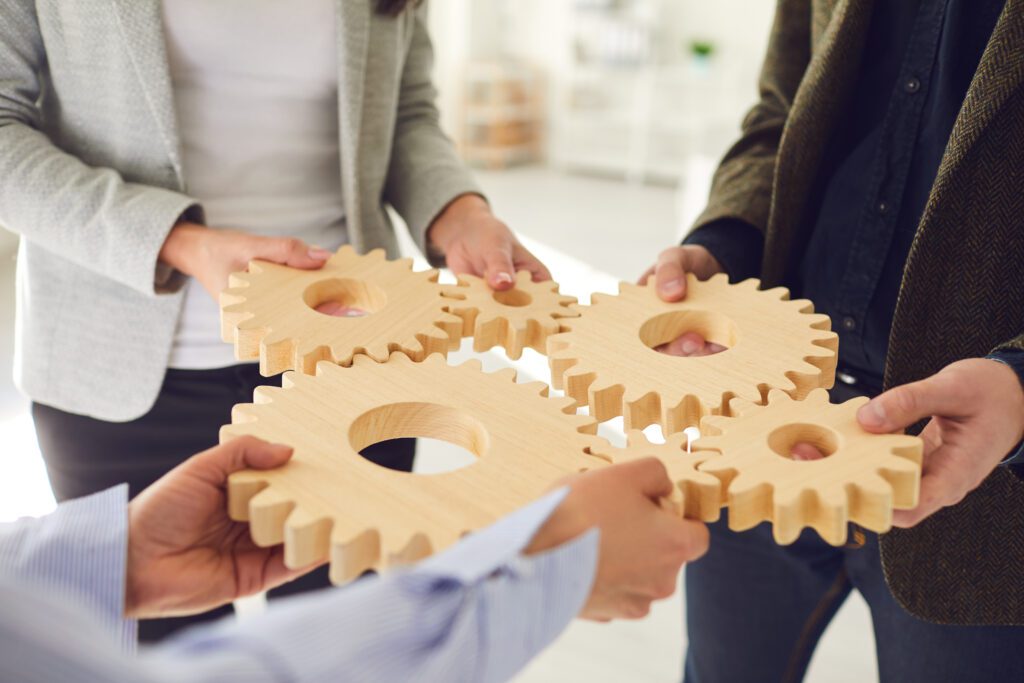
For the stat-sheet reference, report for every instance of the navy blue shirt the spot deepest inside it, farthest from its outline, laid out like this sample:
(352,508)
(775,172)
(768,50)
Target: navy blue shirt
(876,176)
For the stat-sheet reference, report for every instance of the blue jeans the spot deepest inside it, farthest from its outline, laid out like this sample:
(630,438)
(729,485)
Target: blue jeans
(755,611)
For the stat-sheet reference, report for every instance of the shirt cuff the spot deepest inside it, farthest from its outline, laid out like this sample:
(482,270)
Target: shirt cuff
(79,551)
(1015,360)
(482,553)
(737,245)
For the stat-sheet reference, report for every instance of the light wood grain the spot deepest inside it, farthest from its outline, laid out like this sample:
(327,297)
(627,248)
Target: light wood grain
(329,502)
(269,312)
(862,479)
(514,319)
(606,357)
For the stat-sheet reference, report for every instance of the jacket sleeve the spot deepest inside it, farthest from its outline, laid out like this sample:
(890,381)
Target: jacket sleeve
(425,173)
(89,216)
(741,189)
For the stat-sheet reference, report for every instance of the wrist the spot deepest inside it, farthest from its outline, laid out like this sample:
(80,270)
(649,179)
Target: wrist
(448,224)
(181,244)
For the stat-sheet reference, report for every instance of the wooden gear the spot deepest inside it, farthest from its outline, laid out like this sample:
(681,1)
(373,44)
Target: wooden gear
(524,316)
(328,501)
(606,357)
(697,495)
(862,478)
(269,312)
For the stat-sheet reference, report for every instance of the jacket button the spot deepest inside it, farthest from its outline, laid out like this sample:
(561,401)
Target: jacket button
(911,85)
(849,324)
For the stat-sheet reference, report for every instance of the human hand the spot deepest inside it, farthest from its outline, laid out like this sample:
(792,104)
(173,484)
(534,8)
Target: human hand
(473,241)
(670,280)
(210,256)
(185,555)
(976,408)
(642,545)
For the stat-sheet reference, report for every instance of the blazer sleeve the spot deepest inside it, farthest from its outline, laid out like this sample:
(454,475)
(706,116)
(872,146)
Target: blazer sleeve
(89,216)
(741,189)
(425,173)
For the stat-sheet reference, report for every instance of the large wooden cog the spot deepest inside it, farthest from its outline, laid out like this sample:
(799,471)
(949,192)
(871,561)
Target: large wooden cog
(269,312)
(606,357)
(330,502)
(863,478)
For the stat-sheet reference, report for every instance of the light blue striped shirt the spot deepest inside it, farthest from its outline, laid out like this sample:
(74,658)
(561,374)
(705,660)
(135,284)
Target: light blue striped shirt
(477,612)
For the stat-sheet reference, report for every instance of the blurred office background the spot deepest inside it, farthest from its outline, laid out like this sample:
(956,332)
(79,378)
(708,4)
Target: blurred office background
(594,126)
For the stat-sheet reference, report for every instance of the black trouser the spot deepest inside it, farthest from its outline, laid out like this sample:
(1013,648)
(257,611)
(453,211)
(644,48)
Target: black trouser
(84,455)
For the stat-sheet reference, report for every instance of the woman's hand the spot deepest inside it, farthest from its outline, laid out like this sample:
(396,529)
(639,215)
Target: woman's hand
(185,555)
(473,241)
(210,256)
(670,280)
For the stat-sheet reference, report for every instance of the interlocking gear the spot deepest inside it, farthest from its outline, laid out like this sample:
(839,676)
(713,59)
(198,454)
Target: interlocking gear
(269,312)
(697,495)
(328,501)
(606,358)
(517,318)
(862,479)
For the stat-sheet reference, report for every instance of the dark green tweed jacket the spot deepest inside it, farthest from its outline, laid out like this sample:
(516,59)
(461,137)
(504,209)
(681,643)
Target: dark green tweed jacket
(962,293)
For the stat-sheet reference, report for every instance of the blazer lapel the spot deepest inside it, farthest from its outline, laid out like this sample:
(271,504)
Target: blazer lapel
(353,19)
(1000,73)
(141,28)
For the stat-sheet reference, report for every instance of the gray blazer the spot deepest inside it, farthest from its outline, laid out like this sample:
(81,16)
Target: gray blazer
(90,177)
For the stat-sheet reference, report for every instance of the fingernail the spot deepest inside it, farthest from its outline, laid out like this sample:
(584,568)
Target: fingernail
(502,278)
(690,346)
(671,286)
(318,254)
(872,414)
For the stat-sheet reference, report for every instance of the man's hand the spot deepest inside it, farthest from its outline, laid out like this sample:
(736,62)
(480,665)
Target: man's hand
(473,241)
(976,408)
(210,256)
(185,555)
(670,280)
(643,546)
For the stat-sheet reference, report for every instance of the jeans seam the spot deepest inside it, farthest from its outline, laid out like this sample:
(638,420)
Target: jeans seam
(792,674)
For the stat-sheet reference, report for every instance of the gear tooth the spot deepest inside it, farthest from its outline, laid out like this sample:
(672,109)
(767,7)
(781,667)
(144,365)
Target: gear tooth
(307,539)
(538,388)
(524,278)
(472,365)
(566,404)
(718,279)
(804,307)
(434,360)
(712,425)
(776,396)
(635,438)
(505,375)
(707,443)
(751,283)
(381,255)
(406,552)
(242,487)
(605,400)
(750,499)
(363,361)
(244,413)
(347,251)
(871,502)
(268,511)
(904,476)
(353,552)
(779,293)
(738,407)
(598,298)
(827,340)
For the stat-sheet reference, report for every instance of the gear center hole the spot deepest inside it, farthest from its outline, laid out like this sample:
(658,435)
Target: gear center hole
(463,437)
(344,297)
(515,298)
(667,327)
(792,441)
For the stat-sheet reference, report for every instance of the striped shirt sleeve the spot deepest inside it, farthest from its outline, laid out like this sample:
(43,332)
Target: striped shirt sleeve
(476,613)
(78,552)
